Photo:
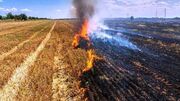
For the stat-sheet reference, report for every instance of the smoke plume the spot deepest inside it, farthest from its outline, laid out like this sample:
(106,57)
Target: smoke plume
(84,9)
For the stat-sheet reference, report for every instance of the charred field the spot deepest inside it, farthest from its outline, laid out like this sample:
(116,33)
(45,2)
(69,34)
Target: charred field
(141,61)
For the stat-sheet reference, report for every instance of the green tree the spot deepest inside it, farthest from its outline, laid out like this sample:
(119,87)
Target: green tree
(23,16)
(9,16)
(17,17)
(31,18)
(20,17)
(1,17)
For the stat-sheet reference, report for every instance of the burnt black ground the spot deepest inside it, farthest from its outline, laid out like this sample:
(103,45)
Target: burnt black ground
(150,72)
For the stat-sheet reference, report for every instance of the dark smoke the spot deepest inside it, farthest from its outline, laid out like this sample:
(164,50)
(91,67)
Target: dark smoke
(85,9)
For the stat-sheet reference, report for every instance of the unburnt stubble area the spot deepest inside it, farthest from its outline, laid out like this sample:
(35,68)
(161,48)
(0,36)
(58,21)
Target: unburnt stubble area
(38,63)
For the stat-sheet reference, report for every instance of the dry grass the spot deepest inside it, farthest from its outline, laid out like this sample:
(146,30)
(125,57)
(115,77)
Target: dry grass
(47,79)
(14,49)
(71,63)
(9,41)
(17,24)
(37,85)
(40,85)
(18,28)
(11,62)
(10,90)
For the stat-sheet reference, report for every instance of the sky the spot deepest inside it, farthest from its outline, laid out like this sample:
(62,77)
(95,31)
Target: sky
(104,8)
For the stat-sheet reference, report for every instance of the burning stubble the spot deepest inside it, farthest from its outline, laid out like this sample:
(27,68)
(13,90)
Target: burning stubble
(84,10)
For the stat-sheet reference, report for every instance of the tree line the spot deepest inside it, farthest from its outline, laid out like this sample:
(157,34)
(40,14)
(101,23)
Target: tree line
(18,17)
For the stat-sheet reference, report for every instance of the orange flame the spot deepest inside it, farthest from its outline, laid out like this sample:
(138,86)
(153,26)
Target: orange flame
(84,31)
(90,61)
(75,42)
(82,34)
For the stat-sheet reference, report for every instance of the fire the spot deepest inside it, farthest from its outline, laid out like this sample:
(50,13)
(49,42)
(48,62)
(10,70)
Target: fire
(90,61)
(82,34)
(75,42)
(84,31)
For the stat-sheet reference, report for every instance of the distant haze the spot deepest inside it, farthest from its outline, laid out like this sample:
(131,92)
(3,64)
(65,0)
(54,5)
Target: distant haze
(139,8)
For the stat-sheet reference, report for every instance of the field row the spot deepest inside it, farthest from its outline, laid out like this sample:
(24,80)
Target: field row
(38,63)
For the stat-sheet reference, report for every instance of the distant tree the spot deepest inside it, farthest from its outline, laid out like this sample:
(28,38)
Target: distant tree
(132,18)
(32,18)
(17,17)
(1,17)
(23,16)
(43,18)
(9,16)
(20,17)
(177,18)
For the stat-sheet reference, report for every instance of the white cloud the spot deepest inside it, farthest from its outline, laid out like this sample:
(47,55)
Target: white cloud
(6,10)
(1,8)
(10,10)
(25,10)
(58,10)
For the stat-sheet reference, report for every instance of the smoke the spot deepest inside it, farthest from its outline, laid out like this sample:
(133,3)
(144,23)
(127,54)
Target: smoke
(116,40)
(84,9)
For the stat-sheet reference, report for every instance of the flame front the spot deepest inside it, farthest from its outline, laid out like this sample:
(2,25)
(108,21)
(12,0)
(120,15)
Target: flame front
(90,61)
(84,31)
(75,42)
(83,34)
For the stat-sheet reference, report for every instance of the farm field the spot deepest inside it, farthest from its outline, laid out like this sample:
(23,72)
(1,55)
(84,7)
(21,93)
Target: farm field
(138,61)
(37,62)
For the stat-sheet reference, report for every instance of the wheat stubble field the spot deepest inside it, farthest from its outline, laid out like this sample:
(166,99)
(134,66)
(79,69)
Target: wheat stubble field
(37,62)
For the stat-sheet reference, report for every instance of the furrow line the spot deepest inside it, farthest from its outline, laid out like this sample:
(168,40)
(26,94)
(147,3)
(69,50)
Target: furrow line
(9,91)
(4,55)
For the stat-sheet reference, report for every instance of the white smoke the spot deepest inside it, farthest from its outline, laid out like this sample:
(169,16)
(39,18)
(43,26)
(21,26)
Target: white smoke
(113,39)
(97,30)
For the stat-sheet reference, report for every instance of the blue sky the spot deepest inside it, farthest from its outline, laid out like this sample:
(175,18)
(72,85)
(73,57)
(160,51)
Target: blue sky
(40,8)
(105,8)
